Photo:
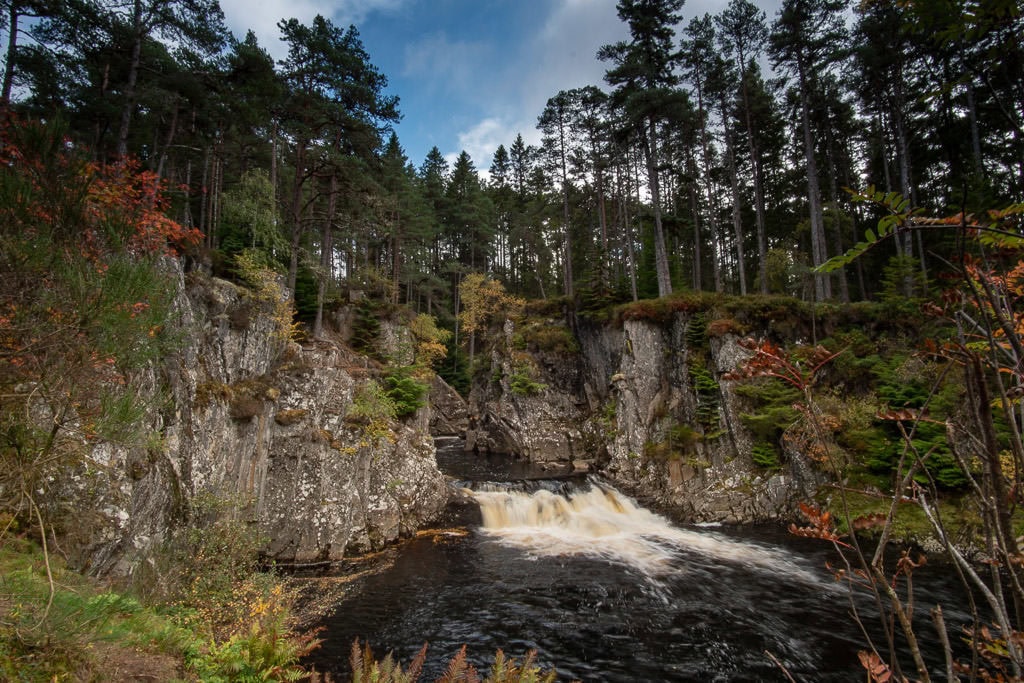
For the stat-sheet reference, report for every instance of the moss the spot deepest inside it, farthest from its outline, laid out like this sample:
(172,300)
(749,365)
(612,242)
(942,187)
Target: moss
(546,337)
(244,408)
(290,417)
(723,326)
(209,393)
(679,443)
(664,310)
(910,522)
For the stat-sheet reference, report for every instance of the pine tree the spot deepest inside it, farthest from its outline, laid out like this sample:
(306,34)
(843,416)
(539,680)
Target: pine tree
(742,33)
(805,41)
(644,81)
(336,108)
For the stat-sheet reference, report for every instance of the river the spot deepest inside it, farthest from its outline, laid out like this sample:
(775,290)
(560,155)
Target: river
(605,590)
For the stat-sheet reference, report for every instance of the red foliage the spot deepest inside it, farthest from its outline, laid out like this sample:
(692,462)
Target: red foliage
(871,521)
(820,525)
(878,671)
(771,360)
(51,187)
(137,199)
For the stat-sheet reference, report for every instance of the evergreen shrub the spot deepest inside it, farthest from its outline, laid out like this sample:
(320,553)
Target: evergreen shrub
(407,393)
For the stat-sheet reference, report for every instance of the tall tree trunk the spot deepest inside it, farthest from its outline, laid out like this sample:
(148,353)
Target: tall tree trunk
(172,131)
(296,211)
(396,255)
(691,168)
(273,161)
(204,199)
(837,224)
(972,112)
(734,183)
(567,271)
(326,257)
(627,235)
(660,252)
(602,217)
(755,162)
(819,250)
(13,17)
(133,78)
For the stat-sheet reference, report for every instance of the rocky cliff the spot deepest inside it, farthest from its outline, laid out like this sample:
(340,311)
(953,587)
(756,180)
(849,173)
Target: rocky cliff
(268,424)
(645,404)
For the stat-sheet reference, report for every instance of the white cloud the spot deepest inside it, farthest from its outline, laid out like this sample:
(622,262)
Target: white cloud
(561,55)
(566,48)
(262,17)
(483,139)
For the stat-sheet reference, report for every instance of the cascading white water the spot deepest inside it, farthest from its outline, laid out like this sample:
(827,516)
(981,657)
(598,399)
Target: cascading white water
(601,522)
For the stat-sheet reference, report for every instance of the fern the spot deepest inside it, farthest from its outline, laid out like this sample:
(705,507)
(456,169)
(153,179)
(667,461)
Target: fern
(365,669)
(459,670)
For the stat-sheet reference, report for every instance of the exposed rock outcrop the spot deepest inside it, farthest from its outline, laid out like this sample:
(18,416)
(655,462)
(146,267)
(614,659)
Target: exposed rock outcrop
(531,407)
(646,405)
(264,421)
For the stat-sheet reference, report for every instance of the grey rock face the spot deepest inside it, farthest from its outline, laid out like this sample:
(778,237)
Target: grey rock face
(530,407)
(264,422)
(448,412)
(629,408)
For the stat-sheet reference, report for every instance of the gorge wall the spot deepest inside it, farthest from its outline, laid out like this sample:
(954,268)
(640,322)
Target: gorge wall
(268,423)
(265,422)
(644,403)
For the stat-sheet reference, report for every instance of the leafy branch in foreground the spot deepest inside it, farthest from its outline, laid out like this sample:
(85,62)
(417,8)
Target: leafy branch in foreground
(986,324)
(996,229)
(84,297)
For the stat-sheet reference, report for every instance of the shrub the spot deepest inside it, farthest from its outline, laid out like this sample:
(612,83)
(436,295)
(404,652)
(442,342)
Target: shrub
(366,328)
(406,393)
(546,338)
(522,383)
(430,340)
(267,287)
(708,395)
(765,455)
(372,410)
(773,411)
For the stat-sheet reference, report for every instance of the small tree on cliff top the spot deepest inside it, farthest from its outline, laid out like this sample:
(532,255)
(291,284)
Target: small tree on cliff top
(482,301)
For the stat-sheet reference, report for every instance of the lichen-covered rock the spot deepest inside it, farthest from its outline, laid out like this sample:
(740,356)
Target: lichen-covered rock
(263,421)
(646,405)
(449,415)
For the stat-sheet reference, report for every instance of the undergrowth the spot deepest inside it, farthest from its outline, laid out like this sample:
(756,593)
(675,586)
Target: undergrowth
(203,611)
(367,669)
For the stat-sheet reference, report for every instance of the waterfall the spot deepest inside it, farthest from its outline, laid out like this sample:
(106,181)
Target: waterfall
(601,522)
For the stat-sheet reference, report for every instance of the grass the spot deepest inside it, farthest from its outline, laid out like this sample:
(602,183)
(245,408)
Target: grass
(82,631)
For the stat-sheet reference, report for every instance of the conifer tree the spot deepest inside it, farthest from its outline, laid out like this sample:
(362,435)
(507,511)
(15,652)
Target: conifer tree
(805,41)
(742,33)
(644,81)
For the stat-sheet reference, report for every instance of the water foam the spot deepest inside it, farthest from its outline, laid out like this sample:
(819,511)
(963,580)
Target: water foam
(603,523)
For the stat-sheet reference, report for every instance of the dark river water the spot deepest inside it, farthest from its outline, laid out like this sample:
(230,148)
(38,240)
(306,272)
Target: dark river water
(605,590)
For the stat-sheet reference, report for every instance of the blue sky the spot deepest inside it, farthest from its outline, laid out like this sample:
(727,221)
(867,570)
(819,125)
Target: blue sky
(470,74)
